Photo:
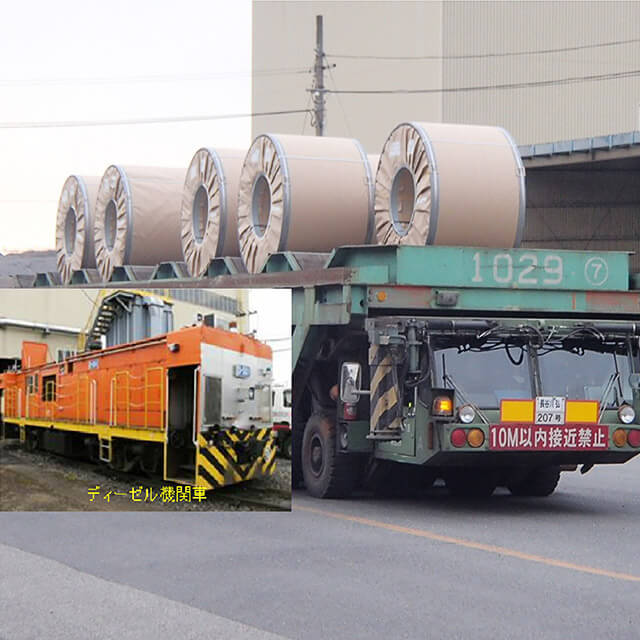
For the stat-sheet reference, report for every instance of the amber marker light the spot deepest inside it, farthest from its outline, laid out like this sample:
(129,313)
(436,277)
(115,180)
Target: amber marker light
(475,438)
(619,437)
(442,406)
(381,296)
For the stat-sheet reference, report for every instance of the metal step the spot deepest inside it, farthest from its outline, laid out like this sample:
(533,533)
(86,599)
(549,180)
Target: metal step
(105,450)
(385,435)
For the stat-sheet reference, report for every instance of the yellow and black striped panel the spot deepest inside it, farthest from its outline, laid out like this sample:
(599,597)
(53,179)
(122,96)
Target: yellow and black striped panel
(219,464)
(385,402)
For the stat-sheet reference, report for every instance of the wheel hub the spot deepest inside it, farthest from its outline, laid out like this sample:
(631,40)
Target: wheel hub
(317,456)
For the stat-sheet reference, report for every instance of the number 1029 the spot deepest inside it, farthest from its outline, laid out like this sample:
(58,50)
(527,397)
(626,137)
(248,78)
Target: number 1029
(525,269)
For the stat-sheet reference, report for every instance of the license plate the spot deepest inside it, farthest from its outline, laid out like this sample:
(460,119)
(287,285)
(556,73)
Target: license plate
(507,437)
(550,410)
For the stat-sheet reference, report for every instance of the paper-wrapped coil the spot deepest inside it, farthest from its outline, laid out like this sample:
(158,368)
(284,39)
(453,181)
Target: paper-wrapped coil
(74,225)
(303,193)
(137,217)
(209,222)
(448,184)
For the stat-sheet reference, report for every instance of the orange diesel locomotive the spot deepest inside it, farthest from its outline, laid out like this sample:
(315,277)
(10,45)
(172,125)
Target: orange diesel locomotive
(194,404)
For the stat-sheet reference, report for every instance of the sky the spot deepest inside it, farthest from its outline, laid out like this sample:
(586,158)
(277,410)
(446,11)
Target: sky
(272,324)
(72,60)
(75,60)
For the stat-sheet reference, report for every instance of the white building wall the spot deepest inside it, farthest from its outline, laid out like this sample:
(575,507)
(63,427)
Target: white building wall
(284,38)
(543,114)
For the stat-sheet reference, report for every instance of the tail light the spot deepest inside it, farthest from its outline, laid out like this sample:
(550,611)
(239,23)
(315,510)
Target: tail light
(475,438)
(350,411)
(633,437)
(619,437)
(458,437)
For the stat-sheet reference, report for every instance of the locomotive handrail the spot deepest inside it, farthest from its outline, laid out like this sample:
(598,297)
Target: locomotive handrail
(93,409)
(84,378)
(147,387)
(196,377)
(115,400)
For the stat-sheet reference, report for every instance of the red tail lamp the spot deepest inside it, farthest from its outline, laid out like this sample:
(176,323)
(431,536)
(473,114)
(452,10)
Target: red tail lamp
(633,437)
(458,437)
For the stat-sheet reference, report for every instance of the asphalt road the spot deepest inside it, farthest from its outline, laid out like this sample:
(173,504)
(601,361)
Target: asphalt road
(562,567)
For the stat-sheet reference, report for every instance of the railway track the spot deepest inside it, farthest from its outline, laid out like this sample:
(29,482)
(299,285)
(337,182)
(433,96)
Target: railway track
(272,494)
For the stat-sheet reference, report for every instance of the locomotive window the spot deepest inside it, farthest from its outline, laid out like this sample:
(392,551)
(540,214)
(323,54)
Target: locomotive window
(287,397)
(32,384)
(212,401)
(49,388)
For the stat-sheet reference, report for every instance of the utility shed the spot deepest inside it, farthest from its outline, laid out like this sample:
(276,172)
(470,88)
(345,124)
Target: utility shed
(584,194)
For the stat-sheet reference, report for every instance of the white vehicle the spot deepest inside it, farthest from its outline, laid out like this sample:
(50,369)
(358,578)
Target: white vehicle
(281,416)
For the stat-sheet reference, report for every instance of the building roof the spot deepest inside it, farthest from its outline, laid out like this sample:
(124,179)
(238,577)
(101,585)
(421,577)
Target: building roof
(608,147)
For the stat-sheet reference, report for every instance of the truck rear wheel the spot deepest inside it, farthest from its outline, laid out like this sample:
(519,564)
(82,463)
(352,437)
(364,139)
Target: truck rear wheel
(327,474)
(470,483)
(538,483)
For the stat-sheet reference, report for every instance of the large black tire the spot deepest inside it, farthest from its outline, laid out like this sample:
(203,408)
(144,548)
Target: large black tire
(470,483)
(327,474)
(539,483)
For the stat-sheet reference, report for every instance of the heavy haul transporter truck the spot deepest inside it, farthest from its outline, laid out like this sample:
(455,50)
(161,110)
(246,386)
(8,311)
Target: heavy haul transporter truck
(482,367)
(192,404)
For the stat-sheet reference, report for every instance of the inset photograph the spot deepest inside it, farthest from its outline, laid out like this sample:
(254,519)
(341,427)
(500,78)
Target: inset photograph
(164,399)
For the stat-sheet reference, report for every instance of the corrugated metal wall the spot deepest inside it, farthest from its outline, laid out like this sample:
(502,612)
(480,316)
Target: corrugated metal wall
(542,114)
(284,41)
(591,206)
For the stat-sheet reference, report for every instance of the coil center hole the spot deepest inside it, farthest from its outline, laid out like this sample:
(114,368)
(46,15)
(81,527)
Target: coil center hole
(70,231)
(110,225)
(260,205)
(403,196)
(200,213)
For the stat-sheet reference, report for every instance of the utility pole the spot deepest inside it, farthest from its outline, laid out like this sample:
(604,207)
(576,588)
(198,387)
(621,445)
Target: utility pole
(318,89)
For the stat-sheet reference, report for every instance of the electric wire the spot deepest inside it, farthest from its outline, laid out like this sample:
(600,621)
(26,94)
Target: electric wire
(495,54)
(137,121)
(150,79)
(335,85)
(516,85)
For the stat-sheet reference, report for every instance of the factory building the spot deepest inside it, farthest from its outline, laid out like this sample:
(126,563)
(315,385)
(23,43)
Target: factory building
(545,71)
(61,318)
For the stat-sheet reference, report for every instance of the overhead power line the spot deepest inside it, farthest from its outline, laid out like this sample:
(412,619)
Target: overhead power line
(92,80)
(135,121)
(491,87)
(495,54)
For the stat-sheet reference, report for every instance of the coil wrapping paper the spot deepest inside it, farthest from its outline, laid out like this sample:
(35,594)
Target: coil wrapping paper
(303,193)
(74,225)
(209,221)
(449,184)
(137,217)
